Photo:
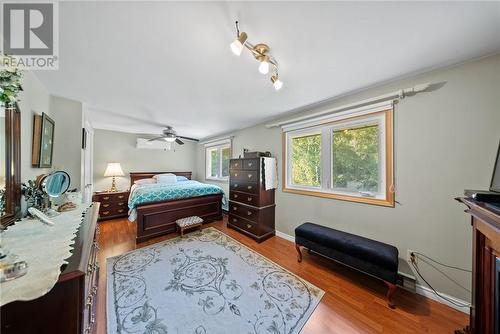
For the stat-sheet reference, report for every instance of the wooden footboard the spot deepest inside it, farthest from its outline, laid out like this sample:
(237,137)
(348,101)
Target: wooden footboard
(159,218)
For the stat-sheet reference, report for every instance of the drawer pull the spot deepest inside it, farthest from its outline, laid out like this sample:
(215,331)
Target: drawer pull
(120,196)
(250,164)
(249,226)
(121,210)
(249,213)
(105,205)
(235,208)
(249,187)
(236,185)
(121,203)
(235,174)
(249,176)
(236,164)
(105,212)
(249,199)
(235,220)
(105,198)
(235,195)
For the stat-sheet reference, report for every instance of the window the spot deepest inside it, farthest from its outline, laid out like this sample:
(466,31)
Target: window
(347,158)
(217,161)
(306,157)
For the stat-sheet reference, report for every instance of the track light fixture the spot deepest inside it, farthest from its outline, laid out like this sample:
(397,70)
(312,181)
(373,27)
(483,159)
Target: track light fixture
(261,53)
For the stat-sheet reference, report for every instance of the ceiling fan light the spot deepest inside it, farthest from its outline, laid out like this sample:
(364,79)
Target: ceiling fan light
(237,45)
(277,83)
(264,65)
(170,139)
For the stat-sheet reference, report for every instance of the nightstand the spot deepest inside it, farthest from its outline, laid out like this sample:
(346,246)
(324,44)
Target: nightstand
(113,204)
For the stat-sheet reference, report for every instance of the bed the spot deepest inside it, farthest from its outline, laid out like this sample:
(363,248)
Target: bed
(155,218)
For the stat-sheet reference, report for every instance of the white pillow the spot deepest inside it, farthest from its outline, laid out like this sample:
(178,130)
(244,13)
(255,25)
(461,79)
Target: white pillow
(145,181)
(158,175)
(165,178)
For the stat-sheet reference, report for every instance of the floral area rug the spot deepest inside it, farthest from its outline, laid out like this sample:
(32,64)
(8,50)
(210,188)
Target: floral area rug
(205,283)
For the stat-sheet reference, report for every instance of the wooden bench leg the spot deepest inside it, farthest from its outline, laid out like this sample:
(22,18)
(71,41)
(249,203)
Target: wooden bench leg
(299,253)
(390,293)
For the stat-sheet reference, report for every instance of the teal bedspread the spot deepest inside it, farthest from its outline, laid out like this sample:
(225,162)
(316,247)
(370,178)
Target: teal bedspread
(150,193)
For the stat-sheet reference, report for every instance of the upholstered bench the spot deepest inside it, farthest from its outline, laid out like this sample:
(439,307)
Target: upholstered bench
(188,223)
(375,258)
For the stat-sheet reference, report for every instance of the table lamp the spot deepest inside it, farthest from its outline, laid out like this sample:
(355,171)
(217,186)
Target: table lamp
(113,169)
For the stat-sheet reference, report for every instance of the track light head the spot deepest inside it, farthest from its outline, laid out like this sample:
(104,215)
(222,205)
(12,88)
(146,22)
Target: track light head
(264,64)
(238,43)
(277,83)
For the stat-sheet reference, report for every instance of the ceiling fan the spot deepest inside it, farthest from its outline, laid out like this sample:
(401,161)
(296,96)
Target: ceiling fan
(170,135)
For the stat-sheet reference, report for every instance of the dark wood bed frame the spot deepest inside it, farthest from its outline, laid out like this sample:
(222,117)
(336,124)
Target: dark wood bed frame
(158,218)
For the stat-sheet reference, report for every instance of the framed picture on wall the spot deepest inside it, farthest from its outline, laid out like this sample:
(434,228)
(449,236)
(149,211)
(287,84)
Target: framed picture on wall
(43,141)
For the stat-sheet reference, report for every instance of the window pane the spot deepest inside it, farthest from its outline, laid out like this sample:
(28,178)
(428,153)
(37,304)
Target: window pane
(226,155)
(214,163)
(306,160)
(355,164)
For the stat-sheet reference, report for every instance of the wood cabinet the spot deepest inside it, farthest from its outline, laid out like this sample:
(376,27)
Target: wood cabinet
(251,207)
(485,309)
(113,204)
(70,306)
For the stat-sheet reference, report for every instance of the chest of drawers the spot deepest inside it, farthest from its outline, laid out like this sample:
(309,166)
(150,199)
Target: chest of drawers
(113,204)
(251,207)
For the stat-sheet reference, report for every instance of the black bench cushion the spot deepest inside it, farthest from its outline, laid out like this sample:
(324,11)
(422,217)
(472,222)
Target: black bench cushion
(367,250)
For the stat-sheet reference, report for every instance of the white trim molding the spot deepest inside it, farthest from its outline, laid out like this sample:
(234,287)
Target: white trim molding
(341,115)
(217,141)
(392,97)
(427,292)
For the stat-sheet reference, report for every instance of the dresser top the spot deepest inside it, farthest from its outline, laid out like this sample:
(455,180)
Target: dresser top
(111,192)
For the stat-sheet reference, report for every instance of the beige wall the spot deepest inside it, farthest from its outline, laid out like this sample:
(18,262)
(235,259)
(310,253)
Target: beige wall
(445,142)
(68,117)
(112,146)
(34,99)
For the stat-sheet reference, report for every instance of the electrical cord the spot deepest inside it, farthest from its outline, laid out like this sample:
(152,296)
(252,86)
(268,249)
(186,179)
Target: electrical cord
(432,265)
(434,290)
(417,254)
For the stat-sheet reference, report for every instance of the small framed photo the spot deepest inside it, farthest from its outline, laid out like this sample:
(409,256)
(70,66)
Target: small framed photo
(43,141)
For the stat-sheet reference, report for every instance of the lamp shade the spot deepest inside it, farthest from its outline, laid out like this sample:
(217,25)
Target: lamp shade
(113,169)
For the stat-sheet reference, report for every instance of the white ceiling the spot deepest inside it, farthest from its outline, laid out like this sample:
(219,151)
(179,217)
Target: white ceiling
(141,65)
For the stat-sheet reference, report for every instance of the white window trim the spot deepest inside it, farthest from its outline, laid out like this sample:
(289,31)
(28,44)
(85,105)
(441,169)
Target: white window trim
(326,126)
(219,145)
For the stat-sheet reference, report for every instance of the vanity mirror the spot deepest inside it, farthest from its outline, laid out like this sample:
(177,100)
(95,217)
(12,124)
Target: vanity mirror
(10,173)
(55,184)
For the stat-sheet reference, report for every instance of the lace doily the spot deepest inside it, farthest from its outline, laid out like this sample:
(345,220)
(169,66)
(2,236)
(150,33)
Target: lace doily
(45,248)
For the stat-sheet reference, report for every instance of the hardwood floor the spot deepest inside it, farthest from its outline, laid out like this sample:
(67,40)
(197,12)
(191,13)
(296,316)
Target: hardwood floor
(353,302)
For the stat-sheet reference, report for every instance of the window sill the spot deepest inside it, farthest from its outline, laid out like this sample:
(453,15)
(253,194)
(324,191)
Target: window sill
(224,180)
(389,202)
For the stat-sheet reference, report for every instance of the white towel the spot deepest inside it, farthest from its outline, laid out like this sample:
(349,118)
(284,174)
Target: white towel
(270,173)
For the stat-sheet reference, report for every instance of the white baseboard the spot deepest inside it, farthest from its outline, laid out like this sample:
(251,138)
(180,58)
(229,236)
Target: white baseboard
(427,292)
(285,236)
(420,289)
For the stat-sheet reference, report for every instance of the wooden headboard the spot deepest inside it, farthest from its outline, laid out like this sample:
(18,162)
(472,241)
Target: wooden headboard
(134,176)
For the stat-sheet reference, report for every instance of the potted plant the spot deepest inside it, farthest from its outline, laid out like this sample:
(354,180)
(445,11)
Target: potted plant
(10,82)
